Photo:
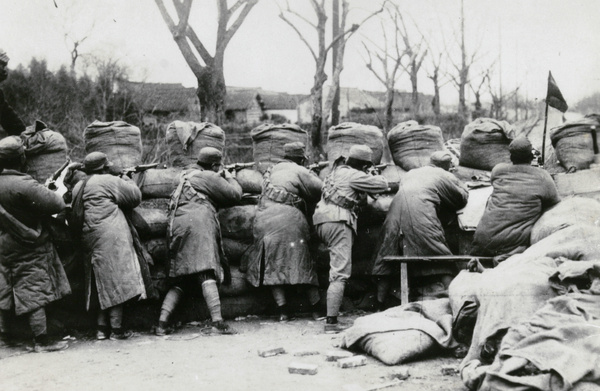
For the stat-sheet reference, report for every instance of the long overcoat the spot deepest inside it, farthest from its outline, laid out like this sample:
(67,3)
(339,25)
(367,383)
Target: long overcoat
(107,239)
(281,232)
(412,225)
(31,274)
(194,233)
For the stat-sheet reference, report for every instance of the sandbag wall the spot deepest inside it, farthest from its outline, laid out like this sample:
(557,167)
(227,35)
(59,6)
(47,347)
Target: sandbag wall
(268,141)
(484,143)
(120,141)
(343,136)
(573,142)
(46,151)
(186,139)
(412,144)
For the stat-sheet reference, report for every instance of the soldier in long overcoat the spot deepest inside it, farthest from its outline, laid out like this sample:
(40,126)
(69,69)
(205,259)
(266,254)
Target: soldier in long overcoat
(281,253)
(31,275)
(194,235)
(113,274)
(413,225)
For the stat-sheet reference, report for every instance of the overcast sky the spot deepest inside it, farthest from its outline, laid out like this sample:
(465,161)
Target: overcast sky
(526,38)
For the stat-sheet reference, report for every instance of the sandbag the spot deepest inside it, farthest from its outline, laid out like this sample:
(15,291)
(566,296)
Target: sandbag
(186,139)
(158,183)
(236,222)
(343,136)
(484,143)
(150,221)
(412,144)
(393,173)
(568,212)
(268,141)
(235,249)
(573,143)
(120,141)
(46,150)
(250,180)
(238,286)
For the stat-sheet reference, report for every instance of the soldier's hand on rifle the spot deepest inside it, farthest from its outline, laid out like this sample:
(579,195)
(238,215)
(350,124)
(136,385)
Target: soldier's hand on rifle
(227,174)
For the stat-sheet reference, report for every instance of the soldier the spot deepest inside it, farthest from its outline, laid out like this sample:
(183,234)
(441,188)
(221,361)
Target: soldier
(428,197)
(335,219)
(9,120)
(112,269)
(521,194)
(31,275)
(281,231)
(194,236)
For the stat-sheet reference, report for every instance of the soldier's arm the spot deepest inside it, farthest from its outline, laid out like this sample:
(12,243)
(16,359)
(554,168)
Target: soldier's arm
(551,197)
(41,200)
(127,194)
(371,184)
(454,192)
(225,191)
(310,186)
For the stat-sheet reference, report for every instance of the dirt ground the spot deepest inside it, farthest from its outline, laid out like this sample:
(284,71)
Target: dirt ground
(191,359)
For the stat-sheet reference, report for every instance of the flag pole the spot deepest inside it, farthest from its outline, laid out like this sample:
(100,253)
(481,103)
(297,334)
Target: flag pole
(544,136)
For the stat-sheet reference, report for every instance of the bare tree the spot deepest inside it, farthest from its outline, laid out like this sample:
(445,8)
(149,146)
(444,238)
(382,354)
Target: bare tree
(207,68)
(477,91)
(389,61)
(319,52)
(415,52)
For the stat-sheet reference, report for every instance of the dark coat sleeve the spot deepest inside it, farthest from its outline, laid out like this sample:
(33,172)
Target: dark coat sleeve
(310,186)
(127,194)
(9,120)
(550,196)
(223,192)
(40,200)
(453,193)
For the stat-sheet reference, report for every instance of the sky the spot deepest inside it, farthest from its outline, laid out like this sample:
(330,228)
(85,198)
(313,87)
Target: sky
(523,39)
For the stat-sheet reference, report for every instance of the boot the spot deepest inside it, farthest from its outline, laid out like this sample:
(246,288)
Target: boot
(333,327)
(283,313)
(220,327)
(102,333)
(120,334)
(42,343)
(316,311)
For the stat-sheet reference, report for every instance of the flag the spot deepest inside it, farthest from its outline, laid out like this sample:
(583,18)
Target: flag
(554,97)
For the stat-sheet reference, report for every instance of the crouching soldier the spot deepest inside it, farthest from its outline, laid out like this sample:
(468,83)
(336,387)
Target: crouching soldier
(112,269)
(335,219)
(31,275)
(281,231)
(194,236)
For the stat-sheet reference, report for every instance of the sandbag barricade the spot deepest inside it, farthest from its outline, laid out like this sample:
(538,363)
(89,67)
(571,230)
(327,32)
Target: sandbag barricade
(343,136)
(236,222)
(484,143)
(268,141)
(186,139)
(573,143)
(568,212)
(46,150)
(412,144)
(120,141)
(250,180)
(158,183)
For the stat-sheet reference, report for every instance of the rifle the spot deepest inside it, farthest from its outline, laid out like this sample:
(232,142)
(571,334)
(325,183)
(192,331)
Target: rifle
(52,182)
(377,169)
(237,166)
(137,169)
(318,166)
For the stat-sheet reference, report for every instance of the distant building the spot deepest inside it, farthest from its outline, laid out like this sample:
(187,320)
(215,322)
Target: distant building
(162,100)
(356,100)
(254,105)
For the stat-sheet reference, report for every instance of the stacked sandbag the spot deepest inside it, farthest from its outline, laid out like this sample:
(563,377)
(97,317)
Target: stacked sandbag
(46,151)
(236,222)
(186,139)
(268,141)
(343,136)
(568,212)
(412,144)
(120,141)
(484,143)
(573,143)
(158,183)
(250,180)
(393,173)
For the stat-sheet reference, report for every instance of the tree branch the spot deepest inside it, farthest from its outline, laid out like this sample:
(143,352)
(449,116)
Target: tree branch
(240,19)
(302,38)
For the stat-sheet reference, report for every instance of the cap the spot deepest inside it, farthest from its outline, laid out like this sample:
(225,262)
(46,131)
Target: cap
(4,57)
(521,148)
(361,152)
(210,155)
(95,161)
(440,158)
(295,149)
(11,147)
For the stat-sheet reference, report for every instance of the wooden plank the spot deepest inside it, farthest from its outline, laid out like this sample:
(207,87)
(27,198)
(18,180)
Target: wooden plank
(433,258)
(403,284)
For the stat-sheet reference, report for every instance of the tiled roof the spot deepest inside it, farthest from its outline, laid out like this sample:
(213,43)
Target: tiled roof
(239,98)
(169,97)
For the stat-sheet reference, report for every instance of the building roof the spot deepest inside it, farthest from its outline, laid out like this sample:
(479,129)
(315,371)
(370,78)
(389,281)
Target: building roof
(240,98)
(168,97)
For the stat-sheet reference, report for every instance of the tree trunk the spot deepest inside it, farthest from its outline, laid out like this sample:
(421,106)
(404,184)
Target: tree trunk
(211,94)
(436,94)
(389,109)
(415,92)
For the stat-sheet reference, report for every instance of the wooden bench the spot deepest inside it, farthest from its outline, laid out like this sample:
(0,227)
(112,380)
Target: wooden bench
(404,260)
